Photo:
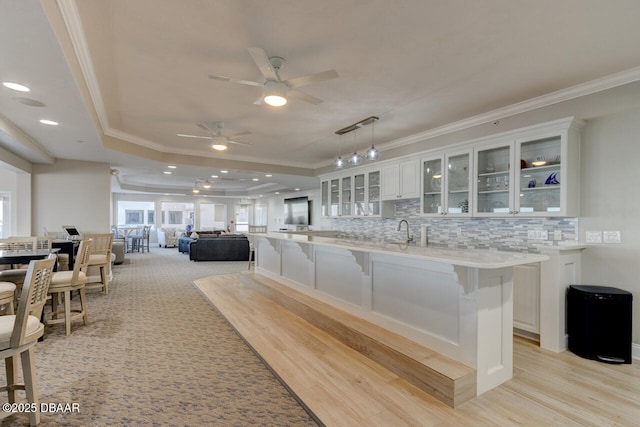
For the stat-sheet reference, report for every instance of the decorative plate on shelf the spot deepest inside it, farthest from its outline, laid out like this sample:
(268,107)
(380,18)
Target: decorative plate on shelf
(436,182)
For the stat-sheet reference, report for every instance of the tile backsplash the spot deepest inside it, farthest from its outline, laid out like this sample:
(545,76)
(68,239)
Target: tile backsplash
(482,233)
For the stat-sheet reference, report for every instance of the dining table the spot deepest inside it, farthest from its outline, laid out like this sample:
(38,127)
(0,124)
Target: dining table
(9,256)
(126,231)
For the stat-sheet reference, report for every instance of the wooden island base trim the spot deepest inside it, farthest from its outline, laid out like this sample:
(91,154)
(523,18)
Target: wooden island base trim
(446,379)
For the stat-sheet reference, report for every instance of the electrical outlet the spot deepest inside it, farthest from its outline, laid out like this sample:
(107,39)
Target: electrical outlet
(557,234)
(594,237)
(611,237)
(537,235)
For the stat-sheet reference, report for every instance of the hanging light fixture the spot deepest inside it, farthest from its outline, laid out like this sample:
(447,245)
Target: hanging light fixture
(355,159)
(338,163)
(372,153)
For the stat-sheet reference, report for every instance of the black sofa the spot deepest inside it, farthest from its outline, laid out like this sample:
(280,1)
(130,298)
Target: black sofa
(219,248)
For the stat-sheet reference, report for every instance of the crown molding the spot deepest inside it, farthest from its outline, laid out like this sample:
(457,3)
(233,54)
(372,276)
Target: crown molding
(598,85)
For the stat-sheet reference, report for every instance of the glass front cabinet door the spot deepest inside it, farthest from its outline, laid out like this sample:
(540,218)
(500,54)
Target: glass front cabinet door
(373,193)
(494,180)
(359,195)
(446,184)
(324,190)
(535,175)
(346,197)
(334,191)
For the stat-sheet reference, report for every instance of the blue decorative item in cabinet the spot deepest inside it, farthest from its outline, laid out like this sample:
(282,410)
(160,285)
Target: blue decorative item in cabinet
(553,179)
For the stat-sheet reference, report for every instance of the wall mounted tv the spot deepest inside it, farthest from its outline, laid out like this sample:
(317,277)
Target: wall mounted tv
(297,211)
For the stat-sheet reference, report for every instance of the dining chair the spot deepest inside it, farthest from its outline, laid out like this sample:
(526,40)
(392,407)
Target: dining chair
(17,273)
(63,283)
(8,297)
(19,334)
(101,258)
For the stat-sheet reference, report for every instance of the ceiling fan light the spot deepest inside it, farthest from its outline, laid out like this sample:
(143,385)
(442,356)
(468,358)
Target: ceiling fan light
(219,143)
(355,159)
(339,163)
(372,154)
(275,93)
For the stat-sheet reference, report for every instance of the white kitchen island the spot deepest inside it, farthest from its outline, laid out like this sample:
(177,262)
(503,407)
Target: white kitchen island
(456,302)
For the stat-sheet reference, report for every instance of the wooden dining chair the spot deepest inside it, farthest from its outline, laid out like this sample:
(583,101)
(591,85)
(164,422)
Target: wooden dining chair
(16,273)
(7,297)
(101,246)
(63,284)
(19,334)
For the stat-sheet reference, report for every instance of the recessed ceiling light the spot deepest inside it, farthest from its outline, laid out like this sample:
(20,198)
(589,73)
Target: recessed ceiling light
(48,122)
(16,86)
(255,179)
(214,176)
(277,192)
(172,166)
(268,175)
(167,172)
(224,171)
(195,191)
(297,189)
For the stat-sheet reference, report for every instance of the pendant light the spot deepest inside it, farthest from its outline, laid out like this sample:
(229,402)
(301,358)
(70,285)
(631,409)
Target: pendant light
(338,163)
(355,159)
(372,153)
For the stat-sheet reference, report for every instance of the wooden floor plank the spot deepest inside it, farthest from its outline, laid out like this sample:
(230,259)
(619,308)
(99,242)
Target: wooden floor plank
(344,388)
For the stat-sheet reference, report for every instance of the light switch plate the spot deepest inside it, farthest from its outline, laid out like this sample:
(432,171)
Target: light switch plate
(611,237)
(594,237)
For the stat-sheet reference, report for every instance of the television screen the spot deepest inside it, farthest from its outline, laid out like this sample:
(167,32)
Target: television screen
(296,211)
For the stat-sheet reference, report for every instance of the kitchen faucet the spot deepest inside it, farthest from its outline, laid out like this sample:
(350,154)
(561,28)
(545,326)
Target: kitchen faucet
(409,237)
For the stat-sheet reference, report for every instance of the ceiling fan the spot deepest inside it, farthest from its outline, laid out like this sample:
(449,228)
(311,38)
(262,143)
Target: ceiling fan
(276,89)
(219,142)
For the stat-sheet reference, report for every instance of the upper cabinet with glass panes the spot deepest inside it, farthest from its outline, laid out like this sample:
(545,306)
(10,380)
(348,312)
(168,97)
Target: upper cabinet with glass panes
(535,174)
(354,193)
(447,184)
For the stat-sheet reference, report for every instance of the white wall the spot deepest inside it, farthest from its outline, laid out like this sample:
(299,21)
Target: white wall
(610,201)
(71,193)
(275,209)
(17,213)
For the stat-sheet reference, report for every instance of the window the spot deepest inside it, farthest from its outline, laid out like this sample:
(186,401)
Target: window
(151,217)
(177,214)
(134,217)
(135,213)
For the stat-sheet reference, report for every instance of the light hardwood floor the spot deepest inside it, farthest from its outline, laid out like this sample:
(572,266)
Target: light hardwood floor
(344,388)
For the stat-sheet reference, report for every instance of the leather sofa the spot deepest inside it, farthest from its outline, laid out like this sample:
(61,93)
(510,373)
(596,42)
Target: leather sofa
(222,248)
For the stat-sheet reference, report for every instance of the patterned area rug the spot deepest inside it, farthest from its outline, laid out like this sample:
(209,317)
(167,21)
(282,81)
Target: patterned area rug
(156,352)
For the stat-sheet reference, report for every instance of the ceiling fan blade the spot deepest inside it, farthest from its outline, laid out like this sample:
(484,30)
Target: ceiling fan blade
(262,61)
(311,78)
(194,136)
(230,80)
(238,135)
(305,97)
(206,129)
(238,142)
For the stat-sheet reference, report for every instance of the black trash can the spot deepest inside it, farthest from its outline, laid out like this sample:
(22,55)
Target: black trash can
(599,323)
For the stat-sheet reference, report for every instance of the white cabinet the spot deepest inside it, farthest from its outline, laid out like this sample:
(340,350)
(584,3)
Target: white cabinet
(534,174)
(400,180)
(353,194)
(526,298)
(446,184)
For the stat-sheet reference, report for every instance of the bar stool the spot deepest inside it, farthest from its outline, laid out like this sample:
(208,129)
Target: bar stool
(8,296)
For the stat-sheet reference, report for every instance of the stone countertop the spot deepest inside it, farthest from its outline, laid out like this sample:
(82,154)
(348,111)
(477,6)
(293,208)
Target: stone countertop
(477,258)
